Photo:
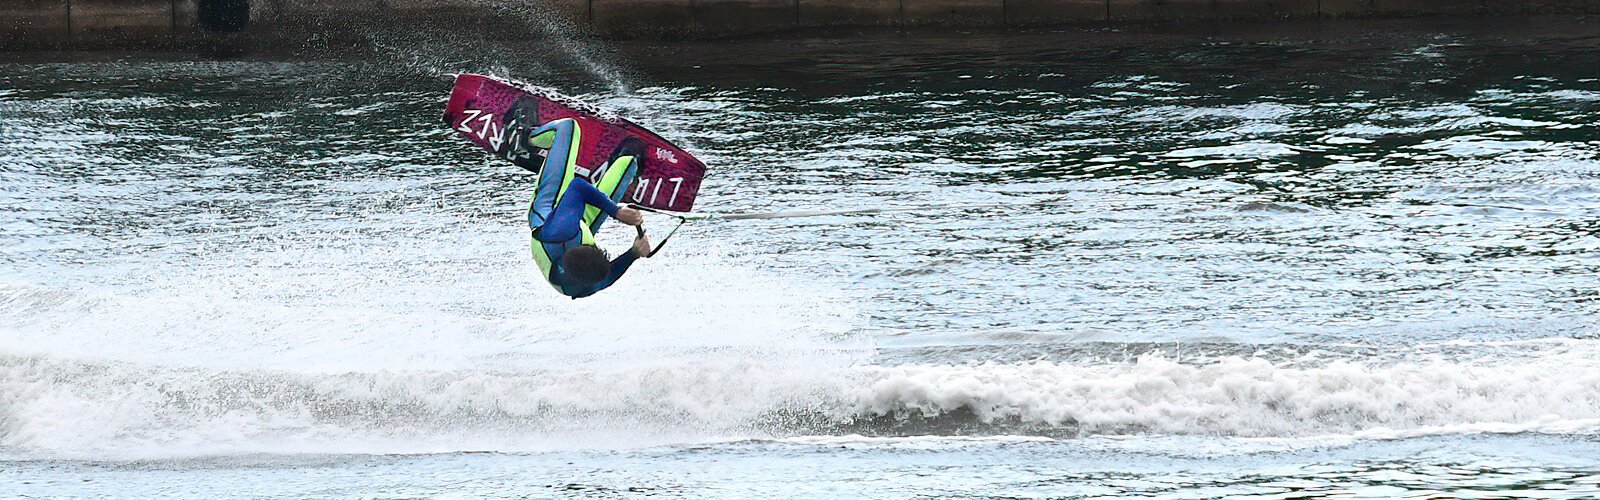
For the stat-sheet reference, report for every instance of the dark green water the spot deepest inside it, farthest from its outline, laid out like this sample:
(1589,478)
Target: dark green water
(1319,259)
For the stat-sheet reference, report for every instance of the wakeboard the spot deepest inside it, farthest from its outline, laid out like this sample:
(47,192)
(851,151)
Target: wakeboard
(497,115)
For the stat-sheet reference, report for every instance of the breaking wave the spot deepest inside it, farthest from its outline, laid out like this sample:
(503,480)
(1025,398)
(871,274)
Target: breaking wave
(58,406)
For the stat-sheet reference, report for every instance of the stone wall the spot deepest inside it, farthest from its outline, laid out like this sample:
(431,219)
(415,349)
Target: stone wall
(32,24)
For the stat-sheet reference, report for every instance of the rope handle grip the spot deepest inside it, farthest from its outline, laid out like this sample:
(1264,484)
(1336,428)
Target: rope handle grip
(663,243)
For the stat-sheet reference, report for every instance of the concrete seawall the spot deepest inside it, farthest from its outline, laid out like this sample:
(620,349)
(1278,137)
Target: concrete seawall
(34,24)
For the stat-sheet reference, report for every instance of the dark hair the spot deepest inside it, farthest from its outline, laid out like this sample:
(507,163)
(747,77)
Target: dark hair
(586,264)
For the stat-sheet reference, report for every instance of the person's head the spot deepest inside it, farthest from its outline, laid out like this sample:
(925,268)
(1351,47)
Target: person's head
(586,264)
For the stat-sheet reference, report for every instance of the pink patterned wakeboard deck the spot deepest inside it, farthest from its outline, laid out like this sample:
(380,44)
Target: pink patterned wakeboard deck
(497,116)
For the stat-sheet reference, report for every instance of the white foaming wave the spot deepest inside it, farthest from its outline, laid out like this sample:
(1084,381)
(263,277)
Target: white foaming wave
(70,408)
(65,407)
(1247,397)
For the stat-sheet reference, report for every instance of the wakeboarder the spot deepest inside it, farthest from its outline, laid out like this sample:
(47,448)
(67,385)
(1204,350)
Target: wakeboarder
(567,211)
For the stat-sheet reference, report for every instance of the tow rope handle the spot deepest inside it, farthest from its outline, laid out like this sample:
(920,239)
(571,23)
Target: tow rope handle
(663,243)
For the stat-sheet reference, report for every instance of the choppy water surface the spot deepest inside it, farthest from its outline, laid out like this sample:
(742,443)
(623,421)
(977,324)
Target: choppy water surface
(1325,259)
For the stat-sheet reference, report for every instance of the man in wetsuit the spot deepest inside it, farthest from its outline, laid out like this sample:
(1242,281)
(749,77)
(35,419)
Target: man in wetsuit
(567,210)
